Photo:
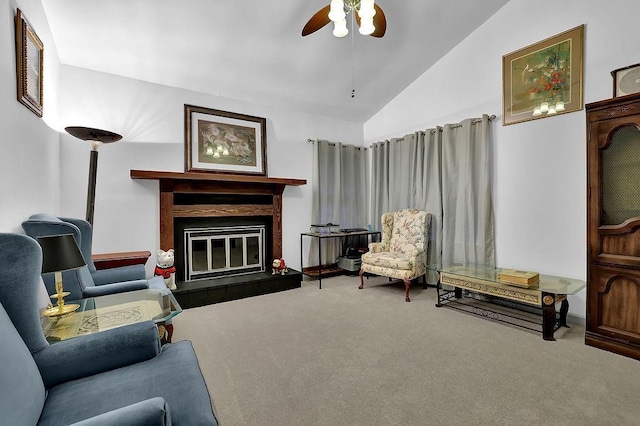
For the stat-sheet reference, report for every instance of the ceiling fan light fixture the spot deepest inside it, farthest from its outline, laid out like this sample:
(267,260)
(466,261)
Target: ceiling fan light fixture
(336,11)
(366,26)
(375,22)
(340,28)
(367,9)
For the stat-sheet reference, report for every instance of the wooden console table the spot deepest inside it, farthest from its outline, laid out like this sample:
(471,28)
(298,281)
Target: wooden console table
(476,289)
(115,260)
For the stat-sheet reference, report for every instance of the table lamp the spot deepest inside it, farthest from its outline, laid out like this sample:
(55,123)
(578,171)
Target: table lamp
(60,253)
(95,137)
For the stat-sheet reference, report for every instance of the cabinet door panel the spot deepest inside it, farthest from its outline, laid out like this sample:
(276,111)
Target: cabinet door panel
(620,244)
(620,162)
(614,302)
(614,193)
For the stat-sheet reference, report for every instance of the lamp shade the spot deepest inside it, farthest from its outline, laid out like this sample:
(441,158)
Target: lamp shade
(60,253)
(90,134)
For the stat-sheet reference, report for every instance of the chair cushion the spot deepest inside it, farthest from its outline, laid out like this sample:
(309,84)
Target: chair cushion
(23,391)
(174,374)
(388,260)
(150,412)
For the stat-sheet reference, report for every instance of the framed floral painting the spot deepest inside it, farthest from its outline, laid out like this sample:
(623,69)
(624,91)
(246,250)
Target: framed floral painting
(29,68)
(544,79)
(224,142)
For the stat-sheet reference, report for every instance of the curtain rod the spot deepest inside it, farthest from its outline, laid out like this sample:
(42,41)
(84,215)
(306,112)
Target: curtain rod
(334,144)
(474,121)
(453,126)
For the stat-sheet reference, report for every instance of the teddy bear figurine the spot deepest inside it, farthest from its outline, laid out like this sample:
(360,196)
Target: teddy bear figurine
(278,266)
(165,266)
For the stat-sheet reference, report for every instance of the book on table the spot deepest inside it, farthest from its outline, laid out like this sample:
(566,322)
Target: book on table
(519,278)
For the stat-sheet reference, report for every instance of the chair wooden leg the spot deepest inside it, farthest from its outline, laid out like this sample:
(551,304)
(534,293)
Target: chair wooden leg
(407,285)
(361,286)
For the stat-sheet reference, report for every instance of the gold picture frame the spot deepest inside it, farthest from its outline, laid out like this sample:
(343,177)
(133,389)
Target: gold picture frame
(29,65)
(224,142)
(543,79)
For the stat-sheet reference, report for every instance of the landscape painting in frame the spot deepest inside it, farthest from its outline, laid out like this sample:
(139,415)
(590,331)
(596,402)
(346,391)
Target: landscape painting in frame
(544,79)
(224,142)
(29,65)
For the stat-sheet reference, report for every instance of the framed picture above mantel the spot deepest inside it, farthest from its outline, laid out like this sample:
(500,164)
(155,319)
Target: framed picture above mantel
(224,142)
(543,79)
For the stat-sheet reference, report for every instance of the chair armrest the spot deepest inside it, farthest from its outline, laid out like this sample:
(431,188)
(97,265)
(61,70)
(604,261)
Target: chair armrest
(376,247)
(150,412)
(116,275)
(101,290)
(416,252)
(96,353)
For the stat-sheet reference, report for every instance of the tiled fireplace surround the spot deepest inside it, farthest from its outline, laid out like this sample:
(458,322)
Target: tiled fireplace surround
(188,199)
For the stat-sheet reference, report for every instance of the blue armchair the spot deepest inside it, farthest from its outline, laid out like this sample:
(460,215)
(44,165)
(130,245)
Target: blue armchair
(87,281)
(119,376)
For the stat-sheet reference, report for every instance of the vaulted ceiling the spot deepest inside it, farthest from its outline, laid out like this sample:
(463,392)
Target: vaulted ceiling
(254,51)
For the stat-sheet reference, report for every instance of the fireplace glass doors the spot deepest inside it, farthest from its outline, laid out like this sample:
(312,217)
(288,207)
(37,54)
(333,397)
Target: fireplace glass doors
(222,251)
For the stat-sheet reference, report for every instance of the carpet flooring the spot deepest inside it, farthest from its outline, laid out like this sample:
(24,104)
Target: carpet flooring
(343,356)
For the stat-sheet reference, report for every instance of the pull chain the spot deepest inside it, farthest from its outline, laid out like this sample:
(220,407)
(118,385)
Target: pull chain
(353,54)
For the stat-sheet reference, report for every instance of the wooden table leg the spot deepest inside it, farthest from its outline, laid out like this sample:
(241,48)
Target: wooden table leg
(169,328)
(165,332)
(548,316)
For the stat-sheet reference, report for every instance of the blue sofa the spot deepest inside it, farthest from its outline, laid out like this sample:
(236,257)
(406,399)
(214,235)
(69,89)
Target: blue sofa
(116,377)
(87,281)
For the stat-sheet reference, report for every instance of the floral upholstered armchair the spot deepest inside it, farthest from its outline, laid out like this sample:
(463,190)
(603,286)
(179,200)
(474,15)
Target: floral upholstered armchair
(402,253)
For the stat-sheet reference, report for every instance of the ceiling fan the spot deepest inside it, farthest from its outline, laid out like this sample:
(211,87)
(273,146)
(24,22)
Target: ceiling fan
(368,15)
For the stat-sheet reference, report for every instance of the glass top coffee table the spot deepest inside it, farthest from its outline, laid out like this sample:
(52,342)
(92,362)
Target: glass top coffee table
(477,289)
(103,313)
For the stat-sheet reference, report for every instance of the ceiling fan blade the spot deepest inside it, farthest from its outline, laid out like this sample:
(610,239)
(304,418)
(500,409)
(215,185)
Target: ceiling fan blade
(317,21)
(379,22)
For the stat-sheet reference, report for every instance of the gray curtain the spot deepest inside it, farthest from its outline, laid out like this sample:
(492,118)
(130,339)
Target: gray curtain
(340,190)
(447,172)
(467,208)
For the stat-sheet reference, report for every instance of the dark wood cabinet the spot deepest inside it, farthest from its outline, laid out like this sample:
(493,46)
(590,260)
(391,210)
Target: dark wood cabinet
(613,225)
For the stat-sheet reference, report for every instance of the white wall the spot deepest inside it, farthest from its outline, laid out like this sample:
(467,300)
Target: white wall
(29,162)
(151,119)
(539,166)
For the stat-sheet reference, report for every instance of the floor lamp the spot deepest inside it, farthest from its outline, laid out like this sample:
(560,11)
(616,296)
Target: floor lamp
(95,137)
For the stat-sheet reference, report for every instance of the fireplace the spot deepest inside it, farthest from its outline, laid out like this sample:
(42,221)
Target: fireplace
(211,235)
(208,212)
(221,251)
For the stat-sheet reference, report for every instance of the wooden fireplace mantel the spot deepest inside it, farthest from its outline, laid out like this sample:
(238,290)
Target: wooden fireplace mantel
(212,183)
(214,177)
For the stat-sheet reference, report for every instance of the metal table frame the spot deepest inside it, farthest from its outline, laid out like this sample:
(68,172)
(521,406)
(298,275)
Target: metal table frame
(329,235)
(482,281)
